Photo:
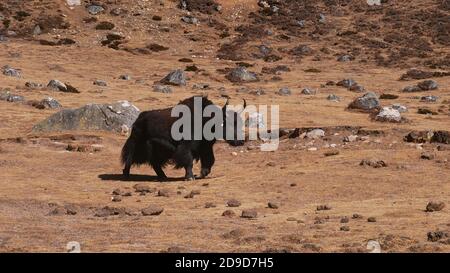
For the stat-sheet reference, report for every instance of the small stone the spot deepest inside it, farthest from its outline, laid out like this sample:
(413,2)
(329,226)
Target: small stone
(142,188)
(164,193)
(152,210)
(228,213)
(357,216)
(389,114)
(350,138)
(410,89)
(345,228)
(100,83)
(210,205)
(331,153)
(125,77)
(117,192)
(333,97)
(308,91)
(11,72)
(429,99)
(116,198)
(162,89)
(373,163)
(371,219)
(249,214)
(241,74)
(94,9)
(428,85)
(345,220)
(273,205)
(344,58)
(434,236)
(435,206)
(323,207)
(233,203)
(284,91)
(176,77)
(366,102)
(427,156)
(315,134)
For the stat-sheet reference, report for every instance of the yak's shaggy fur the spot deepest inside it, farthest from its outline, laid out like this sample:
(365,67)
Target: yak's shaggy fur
(151,143)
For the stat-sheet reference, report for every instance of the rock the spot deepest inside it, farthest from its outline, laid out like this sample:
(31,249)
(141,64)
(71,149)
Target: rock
(233,203)
(7,96)
(357,88)
(367,102)
(50,103)
(331,153)
(357,216)
(323,207)
(100,83)
(410,89)
(117,192)
(301,50)
(284,91)
(190,20)
(434,236)
(322,18)
(105,25)
(37,30)
(152,210)
(94,9)
(201,86)
(333,97)
(273,205)
(441,137)
(111,211)
(240,74)
(228,213)
(350,138)
(33,85)
(371,219)
(373,163)
(60,86)
(345,228)
(429,99)
(347,83)
(210,205)
(142,188)
(426,111)
(345,220)
(176,77)
(308,91)
(344,58)
(315,134)
(192,194)
(385,96)
(400,108)
(72,3)
(388,114)
(434,206)
(249,214)
(107,117)
(428,85)
(116,198)
(162,89)
(11,72)
(125,77)
(164,193)
(427,156)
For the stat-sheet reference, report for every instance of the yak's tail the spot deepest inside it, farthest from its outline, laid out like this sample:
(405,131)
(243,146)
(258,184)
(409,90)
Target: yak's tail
(128,149)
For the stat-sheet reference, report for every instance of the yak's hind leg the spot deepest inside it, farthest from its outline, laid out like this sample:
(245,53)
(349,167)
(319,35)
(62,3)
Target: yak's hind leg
(183,158)
(159,172)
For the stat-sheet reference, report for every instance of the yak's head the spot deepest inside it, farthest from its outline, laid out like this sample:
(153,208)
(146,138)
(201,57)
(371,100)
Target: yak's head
(233,130)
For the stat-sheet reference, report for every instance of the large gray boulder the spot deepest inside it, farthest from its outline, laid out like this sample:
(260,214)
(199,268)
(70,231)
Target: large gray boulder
(241,74)
(116,117)
(367,102)
(176,77)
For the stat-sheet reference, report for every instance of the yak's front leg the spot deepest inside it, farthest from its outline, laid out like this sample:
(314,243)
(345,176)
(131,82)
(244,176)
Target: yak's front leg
(184,158)
(206,159)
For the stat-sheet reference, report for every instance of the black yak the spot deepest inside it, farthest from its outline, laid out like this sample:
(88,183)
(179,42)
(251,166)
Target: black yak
(151,141)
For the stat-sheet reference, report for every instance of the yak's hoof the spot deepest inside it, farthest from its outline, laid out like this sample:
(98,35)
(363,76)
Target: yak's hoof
(189,178)
(126,173)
